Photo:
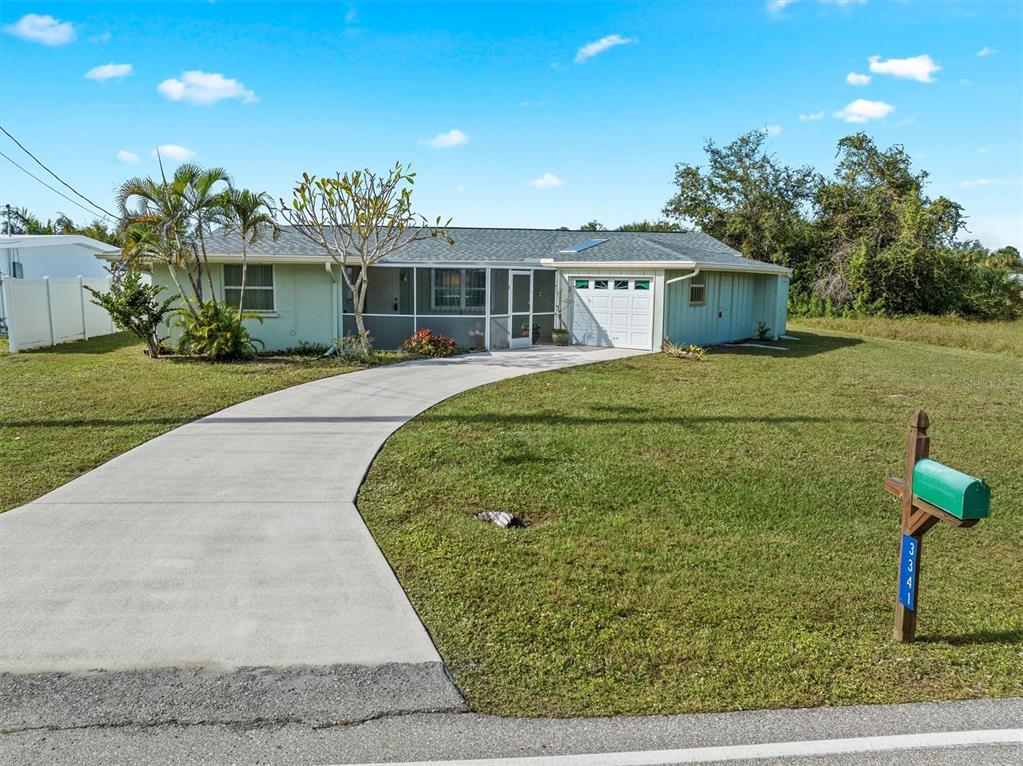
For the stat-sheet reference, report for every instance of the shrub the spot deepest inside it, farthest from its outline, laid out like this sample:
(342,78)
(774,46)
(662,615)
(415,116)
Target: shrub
(427,343)
(217,332)
(678,351)
(351,349)
(763,331)
(133,305)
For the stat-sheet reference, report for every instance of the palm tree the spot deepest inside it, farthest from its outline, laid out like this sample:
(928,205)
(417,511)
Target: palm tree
(249,216)
(178,214)
(154,217)
(205,202)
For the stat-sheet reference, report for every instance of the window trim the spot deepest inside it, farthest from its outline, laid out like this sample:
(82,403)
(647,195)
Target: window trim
(463,288)
(698,281)
(224,287)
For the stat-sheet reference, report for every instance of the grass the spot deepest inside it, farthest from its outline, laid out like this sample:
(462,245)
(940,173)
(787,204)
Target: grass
(67,409)
(709,535)
(993,337)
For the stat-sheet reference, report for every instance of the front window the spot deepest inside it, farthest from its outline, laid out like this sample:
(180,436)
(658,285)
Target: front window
(459,289)
(259,286)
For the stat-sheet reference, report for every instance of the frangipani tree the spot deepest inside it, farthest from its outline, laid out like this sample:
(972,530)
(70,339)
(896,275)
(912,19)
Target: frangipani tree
(359,218)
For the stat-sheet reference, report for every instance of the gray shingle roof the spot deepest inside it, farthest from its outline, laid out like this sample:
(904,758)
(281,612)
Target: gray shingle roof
(525,246)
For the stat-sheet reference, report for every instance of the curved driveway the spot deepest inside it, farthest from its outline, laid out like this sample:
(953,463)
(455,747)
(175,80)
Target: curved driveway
(228,555)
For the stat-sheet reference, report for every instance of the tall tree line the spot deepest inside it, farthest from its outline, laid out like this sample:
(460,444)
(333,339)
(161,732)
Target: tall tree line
(865,239)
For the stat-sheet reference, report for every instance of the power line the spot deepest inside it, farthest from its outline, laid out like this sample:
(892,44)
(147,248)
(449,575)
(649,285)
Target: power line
(55,191)
(40,163)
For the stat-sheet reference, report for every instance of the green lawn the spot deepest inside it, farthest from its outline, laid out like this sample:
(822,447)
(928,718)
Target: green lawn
(67,409)
(709,536)
(995,337)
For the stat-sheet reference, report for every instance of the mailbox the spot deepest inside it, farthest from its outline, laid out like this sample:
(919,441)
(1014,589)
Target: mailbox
(954,492)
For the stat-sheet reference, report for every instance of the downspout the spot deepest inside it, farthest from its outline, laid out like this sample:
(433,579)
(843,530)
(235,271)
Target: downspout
(696,271)
(335,307)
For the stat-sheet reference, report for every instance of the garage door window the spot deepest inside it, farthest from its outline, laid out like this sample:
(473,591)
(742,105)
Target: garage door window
(621,284)
(642,284)
(599,284)
(582,284)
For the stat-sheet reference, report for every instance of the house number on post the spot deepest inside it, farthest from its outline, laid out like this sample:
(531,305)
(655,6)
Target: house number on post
(930,492)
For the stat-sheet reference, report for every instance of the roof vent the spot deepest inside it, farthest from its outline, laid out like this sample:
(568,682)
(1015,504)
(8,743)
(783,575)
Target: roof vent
(582,246)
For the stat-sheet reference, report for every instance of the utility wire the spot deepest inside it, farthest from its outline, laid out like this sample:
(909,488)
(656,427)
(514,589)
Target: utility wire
(55,191)
(40,163)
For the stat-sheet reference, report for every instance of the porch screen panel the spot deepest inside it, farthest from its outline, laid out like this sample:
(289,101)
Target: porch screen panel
(388,332)
(389,291)
(467,332)
(543,292)
(499,291)
(544,323)
(499,332)
(451,291)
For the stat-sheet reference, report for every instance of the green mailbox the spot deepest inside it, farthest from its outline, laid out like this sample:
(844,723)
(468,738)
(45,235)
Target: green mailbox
(965,497)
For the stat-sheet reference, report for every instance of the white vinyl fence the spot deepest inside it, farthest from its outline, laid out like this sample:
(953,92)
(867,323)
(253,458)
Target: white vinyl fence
(52,310)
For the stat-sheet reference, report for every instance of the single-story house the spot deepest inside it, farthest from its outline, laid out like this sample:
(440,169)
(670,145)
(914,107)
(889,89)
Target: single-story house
(501,288)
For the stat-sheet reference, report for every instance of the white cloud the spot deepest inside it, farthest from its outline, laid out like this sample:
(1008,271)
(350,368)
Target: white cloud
(546,181)
(844,2)
(532,104)
(128,158)
(777,6)
(103,37)
(919,68)
(205,88)
(590,50)
(447,140)
(855,78)
(109,72)
(812,117)
(772,130)
(986,182)
(42,29)
(986,51)
(174,152)
(964,81)
(862,110)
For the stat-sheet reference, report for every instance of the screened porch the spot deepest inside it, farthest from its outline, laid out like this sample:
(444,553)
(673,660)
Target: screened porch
(480,308)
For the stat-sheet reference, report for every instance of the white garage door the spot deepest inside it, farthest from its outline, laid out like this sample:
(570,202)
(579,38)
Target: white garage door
(612,312)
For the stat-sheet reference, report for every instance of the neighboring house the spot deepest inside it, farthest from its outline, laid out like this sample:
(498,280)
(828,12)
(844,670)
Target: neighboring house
(501,288)
(35,256)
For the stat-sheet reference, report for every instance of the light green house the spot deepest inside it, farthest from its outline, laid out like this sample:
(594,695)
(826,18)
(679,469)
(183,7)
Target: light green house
(508,288)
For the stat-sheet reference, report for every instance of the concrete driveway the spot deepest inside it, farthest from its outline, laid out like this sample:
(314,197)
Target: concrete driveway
(221,572)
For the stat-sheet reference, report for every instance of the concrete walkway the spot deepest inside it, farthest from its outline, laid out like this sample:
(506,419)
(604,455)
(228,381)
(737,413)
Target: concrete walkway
(195,576)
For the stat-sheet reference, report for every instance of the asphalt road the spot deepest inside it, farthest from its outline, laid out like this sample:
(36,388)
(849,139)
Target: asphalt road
(437,737)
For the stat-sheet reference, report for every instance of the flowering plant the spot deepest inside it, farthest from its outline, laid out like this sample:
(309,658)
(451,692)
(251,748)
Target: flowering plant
(428,343)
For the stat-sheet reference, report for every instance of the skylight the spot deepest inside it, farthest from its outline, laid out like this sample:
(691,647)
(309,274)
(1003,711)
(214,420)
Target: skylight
(583,246)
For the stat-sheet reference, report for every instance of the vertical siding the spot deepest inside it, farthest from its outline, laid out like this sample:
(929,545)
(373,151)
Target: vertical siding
(754,298)
(781,314)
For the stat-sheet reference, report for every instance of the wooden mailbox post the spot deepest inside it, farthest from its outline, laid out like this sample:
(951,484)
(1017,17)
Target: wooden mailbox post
(930,493)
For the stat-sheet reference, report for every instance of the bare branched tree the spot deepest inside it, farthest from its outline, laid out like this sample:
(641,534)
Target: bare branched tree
(359,218)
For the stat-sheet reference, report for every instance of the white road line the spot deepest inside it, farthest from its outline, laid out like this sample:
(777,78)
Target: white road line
(747,752)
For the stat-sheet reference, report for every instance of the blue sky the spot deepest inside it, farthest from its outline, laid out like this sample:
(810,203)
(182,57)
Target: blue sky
(523,114)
